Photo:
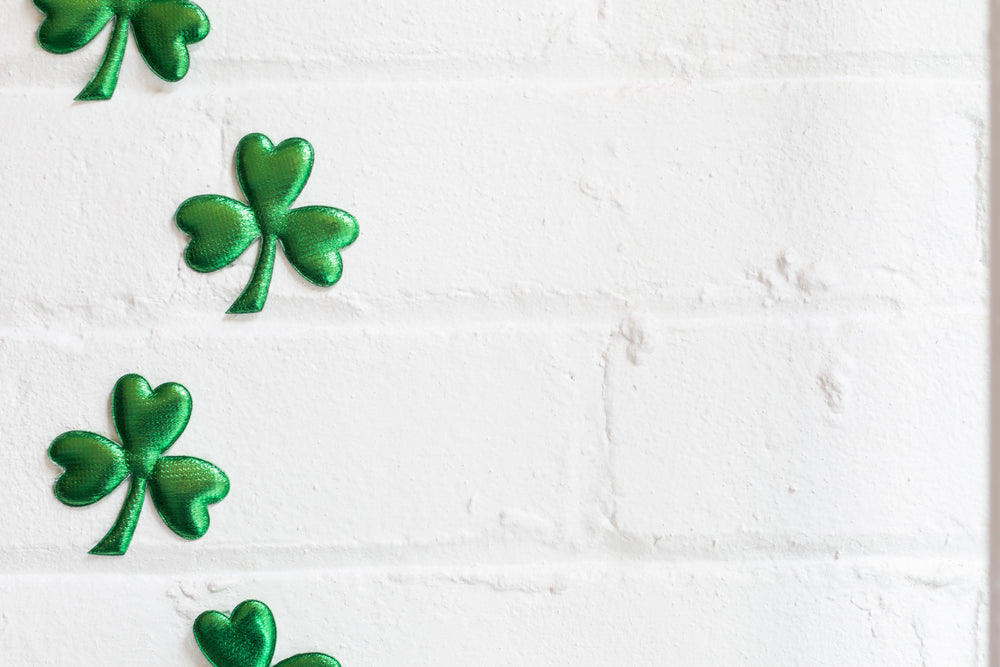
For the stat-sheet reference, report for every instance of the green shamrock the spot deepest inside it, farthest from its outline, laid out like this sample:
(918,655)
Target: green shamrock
(271,177)
(162,29)
(246,639)
(148,421)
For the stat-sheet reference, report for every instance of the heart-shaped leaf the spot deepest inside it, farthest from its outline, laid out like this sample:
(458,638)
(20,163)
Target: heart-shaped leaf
(94,467)
(245,639)
(272,176)
(312,238)
(182,488)
(163,29)
(309,660)
(70,24)
(148,420)
(220,228)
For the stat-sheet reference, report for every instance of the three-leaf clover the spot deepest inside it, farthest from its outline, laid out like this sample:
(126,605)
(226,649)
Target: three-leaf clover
(246,639)
(271,177)
(162,29)
(148,421)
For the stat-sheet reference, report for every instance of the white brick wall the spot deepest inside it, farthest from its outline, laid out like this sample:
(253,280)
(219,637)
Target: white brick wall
(663,342)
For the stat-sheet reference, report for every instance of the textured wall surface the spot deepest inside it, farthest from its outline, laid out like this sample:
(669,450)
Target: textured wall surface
(663,342)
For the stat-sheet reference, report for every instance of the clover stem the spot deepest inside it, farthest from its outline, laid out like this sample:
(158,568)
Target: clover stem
(106,78)
(255,293)
(118,538)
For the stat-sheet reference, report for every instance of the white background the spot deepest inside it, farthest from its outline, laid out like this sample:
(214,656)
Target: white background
(663,342)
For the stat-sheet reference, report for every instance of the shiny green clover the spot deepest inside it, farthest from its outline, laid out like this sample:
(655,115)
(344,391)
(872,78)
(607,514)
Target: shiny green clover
(148,422)
(162,29)
(271,177)
(246,639)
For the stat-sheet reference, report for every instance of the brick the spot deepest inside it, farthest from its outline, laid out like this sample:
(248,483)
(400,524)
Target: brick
(469,431)
(785,431)
(792,614)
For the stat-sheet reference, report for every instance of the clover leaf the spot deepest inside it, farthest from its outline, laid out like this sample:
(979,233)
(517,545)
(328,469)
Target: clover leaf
(148,422)
(162,29)
(271,177)
(246,639)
